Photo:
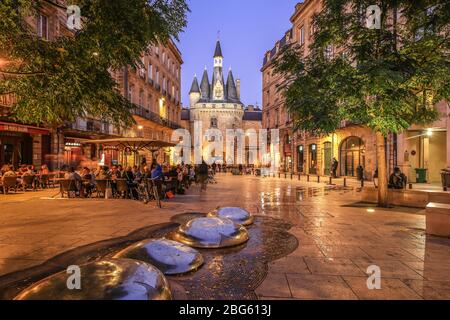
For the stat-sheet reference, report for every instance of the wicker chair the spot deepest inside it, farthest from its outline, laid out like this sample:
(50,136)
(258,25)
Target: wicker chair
(67,186)
(9,183)
(101,188)
(44,181)
(28,182)
(121,188)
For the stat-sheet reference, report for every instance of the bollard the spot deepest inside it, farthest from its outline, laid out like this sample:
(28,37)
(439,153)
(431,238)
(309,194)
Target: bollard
(345,182)
(285,175)
(292,176)
(410,186)
(362,183)
(279,175)
(299,175)
(331,181)
(307,177)
(318,179)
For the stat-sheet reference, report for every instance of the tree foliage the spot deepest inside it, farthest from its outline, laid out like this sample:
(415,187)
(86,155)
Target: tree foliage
(387,78)
(69,77)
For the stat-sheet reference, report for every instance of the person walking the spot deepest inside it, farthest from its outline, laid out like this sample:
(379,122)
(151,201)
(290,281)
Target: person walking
(203,175)
(334,167)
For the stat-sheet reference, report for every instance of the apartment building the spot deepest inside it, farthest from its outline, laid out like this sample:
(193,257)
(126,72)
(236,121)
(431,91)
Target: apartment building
(352,145)
(154,87)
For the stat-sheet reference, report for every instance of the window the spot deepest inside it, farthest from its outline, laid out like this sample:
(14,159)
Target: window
(150,71)
(164,83)
(42,27)
(130,94)
(141,98)
(157,51)
(149,102)
(213,122)
(302,35)
(157,76)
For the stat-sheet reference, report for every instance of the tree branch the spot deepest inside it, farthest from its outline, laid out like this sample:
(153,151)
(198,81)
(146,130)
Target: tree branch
(25,74)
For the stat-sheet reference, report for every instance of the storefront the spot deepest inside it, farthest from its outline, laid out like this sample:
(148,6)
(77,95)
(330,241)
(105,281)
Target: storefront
(352,155)
(313,158)
(300,158)
(21,144)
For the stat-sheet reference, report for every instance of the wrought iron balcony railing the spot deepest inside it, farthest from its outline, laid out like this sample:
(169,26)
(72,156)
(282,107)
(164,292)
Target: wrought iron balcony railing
(149,115)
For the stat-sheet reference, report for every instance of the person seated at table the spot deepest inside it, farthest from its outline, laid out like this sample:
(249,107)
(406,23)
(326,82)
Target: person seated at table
(71,174)
(44,170)
(115,173)
(131,182)
(7,171)
(146,173)
(137,174)
(89,179)
(28,171)
(104,173)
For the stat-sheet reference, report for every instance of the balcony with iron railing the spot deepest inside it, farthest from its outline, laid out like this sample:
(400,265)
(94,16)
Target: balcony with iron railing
(93,126)
(154,117)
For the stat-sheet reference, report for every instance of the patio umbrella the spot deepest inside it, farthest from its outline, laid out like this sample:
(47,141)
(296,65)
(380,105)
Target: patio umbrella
(134,144)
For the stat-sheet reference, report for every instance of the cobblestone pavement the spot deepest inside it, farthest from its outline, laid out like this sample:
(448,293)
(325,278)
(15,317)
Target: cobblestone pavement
(338,237)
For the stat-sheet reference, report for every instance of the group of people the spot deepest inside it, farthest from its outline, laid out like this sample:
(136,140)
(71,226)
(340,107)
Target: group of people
(168,179)
(22,171)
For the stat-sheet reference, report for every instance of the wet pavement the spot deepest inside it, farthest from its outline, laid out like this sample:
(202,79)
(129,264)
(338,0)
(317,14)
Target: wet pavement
(338,239)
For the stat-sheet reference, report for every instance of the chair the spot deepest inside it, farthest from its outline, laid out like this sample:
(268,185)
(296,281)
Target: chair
(28,182)
(44,181)
(122,188)
(9,183)
(101,187)
(67,186)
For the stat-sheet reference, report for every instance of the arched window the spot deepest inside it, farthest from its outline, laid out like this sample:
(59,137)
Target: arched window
(214,122)
(352,154)
(313,158)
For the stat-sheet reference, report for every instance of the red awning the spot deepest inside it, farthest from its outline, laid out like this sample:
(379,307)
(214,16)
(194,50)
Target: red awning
(14,127)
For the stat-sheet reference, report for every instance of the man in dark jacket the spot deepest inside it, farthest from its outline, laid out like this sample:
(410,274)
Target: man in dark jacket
(203,175)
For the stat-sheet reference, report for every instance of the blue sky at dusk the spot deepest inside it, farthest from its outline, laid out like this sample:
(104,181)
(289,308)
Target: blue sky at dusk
(248,28)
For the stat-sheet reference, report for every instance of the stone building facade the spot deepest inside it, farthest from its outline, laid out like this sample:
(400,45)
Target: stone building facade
(217,106)
(154,87)
(352,145)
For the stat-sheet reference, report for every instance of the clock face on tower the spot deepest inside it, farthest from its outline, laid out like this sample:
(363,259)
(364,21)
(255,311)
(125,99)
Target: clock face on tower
(218,91)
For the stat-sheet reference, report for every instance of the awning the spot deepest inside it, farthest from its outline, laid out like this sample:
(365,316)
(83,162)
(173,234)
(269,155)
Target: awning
(20,128)
(135,144)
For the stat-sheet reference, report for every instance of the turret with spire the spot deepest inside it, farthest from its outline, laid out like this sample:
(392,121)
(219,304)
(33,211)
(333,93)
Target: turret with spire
(217,91)
(194,93)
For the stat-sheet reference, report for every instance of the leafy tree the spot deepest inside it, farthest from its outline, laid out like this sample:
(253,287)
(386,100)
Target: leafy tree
(387,78)
(69,77)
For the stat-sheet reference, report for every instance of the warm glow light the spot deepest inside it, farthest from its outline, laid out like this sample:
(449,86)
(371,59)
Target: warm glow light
(141,127)
(2,62)
(371,210)
(429,132)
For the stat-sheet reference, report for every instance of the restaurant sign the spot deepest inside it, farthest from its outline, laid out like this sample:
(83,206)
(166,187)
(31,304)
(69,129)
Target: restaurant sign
(11,127)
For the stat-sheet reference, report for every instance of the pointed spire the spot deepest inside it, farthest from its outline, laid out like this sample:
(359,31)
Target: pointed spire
(195,88)
(205,87)
(231,87)
(218,51)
